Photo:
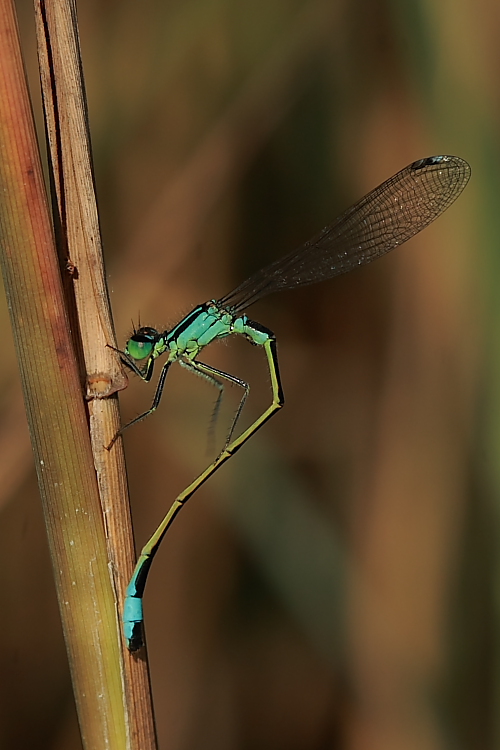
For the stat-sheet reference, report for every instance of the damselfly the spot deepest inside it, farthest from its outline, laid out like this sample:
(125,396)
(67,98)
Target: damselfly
(385,218)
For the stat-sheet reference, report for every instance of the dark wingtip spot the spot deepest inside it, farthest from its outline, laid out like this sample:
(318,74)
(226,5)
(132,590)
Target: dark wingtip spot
(429,161)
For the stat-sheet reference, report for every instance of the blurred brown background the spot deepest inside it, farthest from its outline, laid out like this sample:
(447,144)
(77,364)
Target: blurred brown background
(335,585)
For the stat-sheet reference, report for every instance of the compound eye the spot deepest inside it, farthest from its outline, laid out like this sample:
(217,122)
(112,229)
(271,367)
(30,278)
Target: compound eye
(139,347)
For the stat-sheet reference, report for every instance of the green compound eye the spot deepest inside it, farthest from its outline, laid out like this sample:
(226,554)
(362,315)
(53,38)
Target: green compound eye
(138,347)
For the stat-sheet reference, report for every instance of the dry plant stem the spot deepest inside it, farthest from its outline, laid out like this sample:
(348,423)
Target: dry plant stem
(70,156)
(56,410)
(65,112)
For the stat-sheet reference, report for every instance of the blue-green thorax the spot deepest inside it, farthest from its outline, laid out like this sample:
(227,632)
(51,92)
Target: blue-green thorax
(205,324)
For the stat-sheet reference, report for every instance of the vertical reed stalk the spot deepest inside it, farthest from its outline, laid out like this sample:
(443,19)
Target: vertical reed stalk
(83,488)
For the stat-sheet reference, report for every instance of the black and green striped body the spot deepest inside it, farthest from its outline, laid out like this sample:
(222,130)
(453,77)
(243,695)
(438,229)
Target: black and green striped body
(205,324)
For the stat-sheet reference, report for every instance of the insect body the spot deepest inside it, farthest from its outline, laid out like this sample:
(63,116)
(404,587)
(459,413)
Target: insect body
(385,218)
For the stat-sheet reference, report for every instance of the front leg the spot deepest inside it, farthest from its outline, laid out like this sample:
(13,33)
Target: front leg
(130,362)
(156,399)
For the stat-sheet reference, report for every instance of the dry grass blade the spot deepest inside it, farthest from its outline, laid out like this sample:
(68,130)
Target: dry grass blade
(80,247)
(56,412)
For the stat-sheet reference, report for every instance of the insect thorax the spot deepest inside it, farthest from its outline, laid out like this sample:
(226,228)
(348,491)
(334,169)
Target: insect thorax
(204,324)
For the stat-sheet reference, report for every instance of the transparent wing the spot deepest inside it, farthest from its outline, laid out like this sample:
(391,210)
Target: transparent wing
(388,216)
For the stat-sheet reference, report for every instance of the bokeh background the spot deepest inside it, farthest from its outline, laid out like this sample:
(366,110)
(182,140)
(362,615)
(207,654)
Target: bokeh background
(336,585)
